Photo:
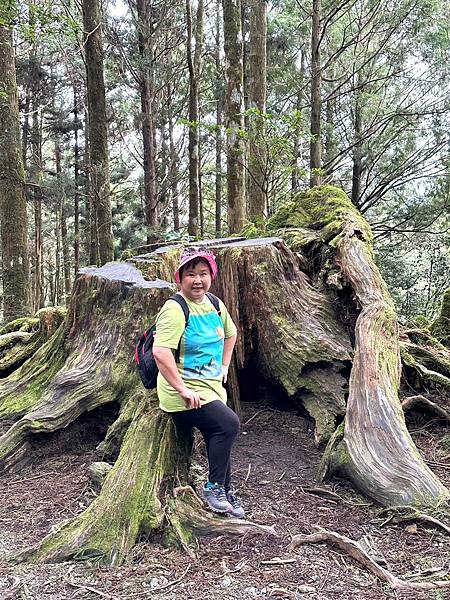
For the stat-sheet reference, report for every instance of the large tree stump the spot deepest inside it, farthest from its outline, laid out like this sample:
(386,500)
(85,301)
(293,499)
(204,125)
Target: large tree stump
(316,325)
(376,450)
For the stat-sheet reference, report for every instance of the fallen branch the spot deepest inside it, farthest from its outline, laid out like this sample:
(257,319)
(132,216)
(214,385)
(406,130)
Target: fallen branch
(355,550)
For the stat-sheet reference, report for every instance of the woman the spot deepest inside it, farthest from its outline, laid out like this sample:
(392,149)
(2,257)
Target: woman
(191,390)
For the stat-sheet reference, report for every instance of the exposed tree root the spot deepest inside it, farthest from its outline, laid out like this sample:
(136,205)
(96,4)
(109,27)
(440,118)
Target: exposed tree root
(188,518)
(425,357)
(419,400)
(405,514)
(355,550)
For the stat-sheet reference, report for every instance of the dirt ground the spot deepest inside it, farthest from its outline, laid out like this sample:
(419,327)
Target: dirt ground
(275,463)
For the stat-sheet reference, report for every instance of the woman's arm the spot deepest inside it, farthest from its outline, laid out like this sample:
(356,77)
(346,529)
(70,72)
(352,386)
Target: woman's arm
(168,368)
(228,347)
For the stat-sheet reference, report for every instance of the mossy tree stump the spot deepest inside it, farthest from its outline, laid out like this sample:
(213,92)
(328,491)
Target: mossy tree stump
(315,322)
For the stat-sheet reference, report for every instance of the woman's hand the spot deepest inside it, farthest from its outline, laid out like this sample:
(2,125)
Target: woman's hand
(224,373)
(191,398)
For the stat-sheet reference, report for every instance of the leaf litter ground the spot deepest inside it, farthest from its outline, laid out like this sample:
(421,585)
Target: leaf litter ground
(275,464)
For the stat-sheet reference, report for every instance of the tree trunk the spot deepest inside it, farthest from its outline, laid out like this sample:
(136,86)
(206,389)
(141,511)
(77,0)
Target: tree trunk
(108,304)
(173,163)
(86,364)
(37,194)
(219,108)
(164,168)
(233,114)
(375,449)
(147,90)
(298,130)
(257,193)
(63,228)
(315,160)
(76,177)
(357,153)
(58,279)
(194,66)
(440,327)
(13,209)
(98,133)
(330,138)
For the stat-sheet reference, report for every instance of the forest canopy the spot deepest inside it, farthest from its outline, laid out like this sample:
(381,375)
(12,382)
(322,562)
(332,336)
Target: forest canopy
(143,122)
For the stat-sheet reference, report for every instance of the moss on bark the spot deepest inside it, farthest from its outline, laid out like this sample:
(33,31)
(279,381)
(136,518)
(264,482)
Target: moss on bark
(440,328)
(129,503)
(19,344)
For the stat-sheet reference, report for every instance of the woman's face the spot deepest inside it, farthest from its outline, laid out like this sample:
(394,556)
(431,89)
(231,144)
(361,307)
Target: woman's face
(196,281)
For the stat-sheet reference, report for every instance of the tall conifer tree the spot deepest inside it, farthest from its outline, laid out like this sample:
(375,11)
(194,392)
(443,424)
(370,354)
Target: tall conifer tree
(13,210)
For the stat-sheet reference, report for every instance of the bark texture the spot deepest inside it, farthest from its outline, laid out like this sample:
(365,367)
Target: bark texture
(102,244)
(13,209)
(234,106)
(147,90)
(257,192)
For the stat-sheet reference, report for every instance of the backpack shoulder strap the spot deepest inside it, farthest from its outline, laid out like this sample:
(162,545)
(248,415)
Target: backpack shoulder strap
(214,301)
(182,302)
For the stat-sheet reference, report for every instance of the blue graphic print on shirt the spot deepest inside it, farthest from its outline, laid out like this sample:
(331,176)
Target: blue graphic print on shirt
(203,347)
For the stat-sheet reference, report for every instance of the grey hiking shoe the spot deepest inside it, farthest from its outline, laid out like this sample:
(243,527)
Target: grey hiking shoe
(237,512)
(216,499)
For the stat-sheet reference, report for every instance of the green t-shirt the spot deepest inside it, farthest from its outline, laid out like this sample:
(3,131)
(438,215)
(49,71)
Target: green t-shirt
(201,350)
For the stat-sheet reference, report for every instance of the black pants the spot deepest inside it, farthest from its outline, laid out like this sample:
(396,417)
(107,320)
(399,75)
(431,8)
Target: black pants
(219,426)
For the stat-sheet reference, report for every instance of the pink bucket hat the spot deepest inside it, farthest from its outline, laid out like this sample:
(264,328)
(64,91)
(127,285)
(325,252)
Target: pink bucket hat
(195,252)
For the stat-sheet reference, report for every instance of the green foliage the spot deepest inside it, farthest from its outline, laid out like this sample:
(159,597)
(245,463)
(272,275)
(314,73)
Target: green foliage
(386,64)
(253,230)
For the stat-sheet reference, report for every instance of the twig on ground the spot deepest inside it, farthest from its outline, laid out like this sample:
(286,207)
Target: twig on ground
(89,589)
(252,417)
(248,472)
(172,583)
(323,493)
(227,571)
(15,482)
(283,593)
(424,518)
(355,550)
(277,561)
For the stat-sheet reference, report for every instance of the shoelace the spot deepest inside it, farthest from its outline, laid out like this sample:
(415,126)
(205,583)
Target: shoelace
(233,501)
(219,493)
